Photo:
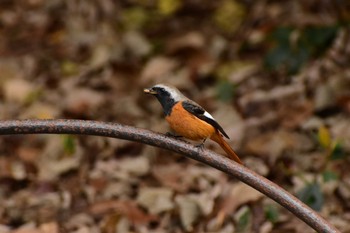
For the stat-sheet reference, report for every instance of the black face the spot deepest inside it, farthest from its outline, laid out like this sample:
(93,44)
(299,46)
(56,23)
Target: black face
(161,92)
(164,98)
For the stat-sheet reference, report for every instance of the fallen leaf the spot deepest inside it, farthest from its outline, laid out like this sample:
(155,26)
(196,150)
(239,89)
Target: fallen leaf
(137,43)
(49,227)
(205,202)
(189,211)
(9,68)
(243,219)
(157,68)
(190,40)
(235,199)
(171,175)
(257,165)
(136,166)
(257,102)
(117,189)
(229,15)
(5,167)
(273,144)
(240,72)
(295,114)
(266,227)
(100,56)
(82,100)
(324,137)
(52,161)
(27,228)
(111,223)
(5,229)
(155,200)
(79,223)
(126,207)
(40,111)
(341,132)
(324,96)
(168,7)
(18,90)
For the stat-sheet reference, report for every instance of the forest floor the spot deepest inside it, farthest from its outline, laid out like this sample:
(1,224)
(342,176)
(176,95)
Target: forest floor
(275,74)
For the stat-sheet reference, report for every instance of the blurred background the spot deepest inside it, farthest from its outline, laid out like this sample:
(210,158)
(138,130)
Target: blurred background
(275,74)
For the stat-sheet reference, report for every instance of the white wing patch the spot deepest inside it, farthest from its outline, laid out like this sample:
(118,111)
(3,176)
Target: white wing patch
(207,114)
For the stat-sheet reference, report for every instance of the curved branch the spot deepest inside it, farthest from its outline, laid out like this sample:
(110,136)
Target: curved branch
(208,157)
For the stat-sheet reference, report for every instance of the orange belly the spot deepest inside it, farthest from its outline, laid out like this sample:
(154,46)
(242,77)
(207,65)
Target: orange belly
(187,125)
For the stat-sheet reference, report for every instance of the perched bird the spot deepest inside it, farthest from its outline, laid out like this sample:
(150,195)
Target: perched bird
(189,119)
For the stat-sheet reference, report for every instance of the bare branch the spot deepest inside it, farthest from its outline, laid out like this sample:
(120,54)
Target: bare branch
(208,157)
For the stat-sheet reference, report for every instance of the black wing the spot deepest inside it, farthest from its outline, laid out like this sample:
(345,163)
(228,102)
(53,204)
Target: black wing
(198,111)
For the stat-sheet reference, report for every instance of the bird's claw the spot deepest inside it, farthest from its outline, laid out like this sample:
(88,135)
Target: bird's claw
(200,146)
(169,134)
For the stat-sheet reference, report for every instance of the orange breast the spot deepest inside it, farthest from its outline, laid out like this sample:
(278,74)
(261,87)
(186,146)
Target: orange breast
(187,125)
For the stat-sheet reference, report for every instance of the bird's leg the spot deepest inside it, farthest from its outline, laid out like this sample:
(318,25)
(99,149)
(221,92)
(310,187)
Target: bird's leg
(201,145)
(170,134)
(178,137)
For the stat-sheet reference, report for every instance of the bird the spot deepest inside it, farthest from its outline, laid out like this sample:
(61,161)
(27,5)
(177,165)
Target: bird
(188,119)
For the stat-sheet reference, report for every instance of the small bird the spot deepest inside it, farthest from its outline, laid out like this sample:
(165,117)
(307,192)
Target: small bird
(189,119)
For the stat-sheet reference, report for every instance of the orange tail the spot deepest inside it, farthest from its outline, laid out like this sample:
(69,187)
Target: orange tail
(224,145)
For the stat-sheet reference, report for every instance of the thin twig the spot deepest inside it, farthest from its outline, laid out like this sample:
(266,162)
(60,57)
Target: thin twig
(208,157)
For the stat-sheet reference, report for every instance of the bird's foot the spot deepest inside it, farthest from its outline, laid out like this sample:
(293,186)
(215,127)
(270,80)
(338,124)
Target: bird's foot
(200,146)
(169,134)
(178,137)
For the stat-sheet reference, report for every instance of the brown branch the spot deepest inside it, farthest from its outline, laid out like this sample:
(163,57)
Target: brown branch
(208,157)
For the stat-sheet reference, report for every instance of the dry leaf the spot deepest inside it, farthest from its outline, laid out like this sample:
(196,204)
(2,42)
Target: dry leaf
(126,208)
(189,211)
(171,175)
(27,228)
(324,96)
(80,223)
(137,166)
(49,227)
(40,111)
(191,40)
(136,43)
(52,161)
(82,100)
(18,90)
(235,199)
(117,189)
(273,144)
(157,68)
(156,200)
(101,55)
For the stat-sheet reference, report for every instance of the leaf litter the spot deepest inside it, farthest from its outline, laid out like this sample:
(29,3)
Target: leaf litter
(278,85)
